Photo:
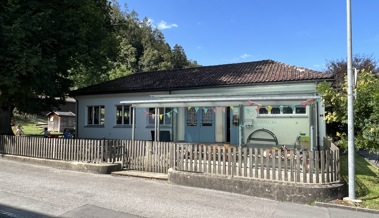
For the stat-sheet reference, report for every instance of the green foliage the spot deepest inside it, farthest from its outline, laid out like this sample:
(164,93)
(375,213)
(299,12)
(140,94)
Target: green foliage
(338,68)
(366,109)
(47,47)
(143,47)
(47,44)
(179,58)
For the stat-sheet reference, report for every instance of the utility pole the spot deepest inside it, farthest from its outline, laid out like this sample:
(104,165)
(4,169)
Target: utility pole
(350,108)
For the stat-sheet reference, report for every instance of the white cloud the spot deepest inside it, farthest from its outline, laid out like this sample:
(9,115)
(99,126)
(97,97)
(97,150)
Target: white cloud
(164,25)
(244,56)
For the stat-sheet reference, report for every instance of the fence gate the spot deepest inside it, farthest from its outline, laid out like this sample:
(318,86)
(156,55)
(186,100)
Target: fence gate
(148,156)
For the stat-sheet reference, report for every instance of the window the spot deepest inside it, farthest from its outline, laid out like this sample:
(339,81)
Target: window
(192,117)
(164,116)
(287,110)
(236,116)
(283,110)
(300,110)
(263,110)
(207,117)
(275,110)
(124,115)
(96,115)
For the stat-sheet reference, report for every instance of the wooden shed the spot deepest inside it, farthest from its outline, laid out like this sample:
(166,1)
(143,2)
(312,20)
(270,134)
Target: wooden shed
(58,121)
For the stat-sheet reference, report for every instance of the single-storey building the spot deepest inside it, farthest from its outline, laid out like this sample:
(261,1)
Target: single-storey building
(253,103)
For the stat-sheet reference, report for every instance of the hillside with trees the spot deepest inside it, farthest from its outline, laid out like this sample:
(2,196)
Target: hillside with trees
(141,48)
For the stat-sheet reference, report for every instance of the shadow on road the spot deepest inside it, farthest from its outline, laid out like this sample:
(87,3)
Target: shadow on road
(6,211)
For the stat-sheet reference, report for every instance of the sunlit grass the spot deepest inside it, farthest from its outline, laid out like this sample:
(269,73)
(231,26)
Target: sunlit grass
(367,181)
(29,125)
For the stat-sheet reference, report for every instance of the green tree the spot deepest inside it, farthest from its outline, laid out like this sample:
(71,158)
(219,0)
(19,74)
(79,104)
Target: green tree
(128,32)
(338,68)
(179,58)
(366,109)
(47,47)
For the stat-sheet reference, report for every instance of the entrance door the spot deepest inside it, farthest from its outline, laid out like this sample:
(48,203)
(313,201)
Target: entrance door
(234,120)
(200,125)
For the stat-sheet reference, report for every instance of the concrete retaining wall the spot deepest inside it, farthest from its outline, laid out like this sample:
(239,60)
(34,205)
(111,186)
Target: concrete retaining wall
(66,165)
(280,191)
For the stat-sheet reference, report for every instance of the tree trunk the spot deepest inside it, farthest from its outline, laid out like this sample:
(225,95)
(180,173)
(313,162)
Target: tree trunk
(5,118)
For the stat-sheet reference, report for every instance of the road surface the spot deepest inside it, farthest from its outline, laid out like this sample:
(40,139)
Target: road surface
(38,191)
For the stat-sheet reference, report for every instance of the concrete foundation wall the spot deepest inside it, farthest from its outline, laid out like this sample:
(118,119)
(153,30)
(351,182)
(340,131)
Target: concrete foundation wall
(66,165)
(280,191)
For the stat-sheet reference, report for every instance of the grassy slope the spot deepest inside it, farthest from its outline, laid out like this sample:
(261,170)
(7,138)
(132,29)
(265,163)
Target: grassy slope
(367,181)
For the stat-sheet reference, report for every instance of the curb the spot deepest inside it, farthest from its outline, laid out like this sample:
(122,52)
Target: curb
(358,209)
(141,174)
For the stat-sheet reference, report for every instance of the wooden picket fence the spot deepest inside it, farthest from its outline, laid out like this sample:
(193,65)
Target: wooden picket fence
(82,150)
(268,164)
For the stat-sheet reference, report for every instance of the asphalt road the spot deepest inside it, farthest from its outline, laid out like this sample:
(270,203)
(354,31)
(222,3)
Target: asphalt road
(37,191)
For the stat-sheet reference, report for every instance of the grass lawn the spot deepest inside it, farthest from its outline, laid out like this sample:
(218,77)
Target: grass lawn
(367,181)
(29,126)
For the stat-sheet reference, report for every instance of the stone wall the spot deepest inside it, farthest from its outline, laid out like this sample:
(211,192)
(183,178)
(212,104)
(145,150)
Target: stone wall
(280,191)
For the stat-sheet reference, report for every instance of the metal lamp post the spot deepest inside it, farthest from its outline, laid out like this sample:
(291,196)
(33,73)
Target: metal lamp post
(350,108)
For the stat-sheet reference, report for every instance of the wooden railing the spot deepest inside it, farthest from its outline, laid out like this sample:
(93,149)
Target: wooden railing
(268,164)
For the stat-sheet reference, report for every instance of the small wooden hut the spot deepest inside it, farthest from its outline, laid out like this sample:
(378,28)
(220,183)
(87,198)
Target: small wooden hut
(58,121)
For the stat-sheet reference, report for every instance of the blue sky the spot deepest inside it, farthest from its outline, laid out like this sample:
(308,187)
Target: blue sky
(297,32)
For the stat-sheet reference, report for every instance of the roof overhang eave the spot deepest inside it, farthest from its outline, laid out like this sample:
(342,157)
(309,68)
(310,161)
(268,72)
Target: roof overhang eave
(209,101)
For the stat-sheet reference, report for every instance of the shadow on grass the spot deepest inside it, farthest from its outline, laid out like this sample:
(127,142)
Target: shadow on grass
(371,198)
(367,178)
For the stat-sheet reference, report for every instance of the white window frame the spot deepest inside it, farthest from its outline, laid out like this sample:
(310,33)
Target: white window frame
(281,114)
(163,111)
(130,115)
(100,117)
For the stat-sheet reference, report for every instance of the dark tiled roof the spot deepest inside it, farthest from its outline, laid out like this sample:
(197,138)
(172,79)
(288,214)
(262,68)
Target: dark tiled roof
(265,71)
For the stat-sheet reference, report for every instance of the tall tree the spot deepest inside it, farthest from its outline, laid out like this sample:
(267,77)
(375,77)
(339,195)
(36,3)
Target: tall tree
(179,58)
(44,45)
(338,67)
